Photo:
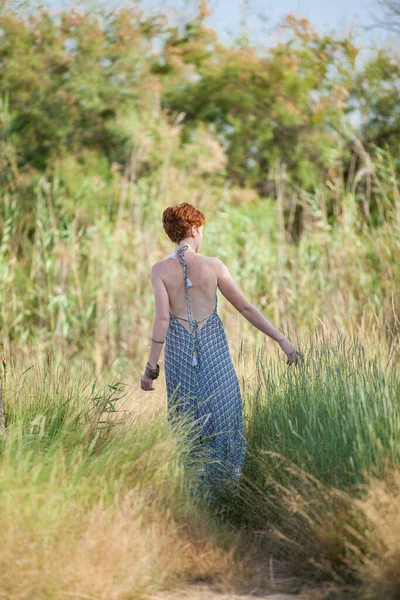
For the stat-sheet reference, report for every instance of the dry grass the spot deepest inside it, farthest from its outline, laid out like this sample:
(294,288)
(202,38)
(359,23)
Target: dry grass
(312,526)
(342,544)
(98,552)
(380,569)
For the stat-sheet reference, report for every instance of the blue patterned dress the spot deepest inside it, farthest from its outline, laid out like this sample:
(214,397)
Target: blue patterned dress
(202,384)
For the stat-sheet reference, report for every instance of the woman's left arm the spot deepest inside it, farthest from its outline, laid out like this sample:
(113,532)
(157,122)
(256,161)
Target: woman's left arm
(161,322)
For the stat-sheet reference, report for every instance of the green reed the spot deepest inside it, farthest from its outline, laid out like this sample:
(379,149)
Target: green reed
(336,415)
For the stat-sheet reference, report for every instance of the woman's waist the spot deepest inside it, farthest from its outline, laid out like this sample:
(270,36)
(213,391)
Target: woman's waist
(206,327)
(194,319)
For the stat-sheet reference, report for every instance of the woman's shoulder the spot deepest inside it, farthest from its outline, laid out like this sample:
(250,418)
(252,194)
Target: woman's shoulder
(213,261)
(217,262)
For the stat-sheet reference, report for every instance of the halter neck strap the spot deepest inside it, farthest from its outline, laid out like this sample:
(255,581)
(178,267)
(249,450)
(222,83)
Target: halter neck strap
(193,326)
(181,254)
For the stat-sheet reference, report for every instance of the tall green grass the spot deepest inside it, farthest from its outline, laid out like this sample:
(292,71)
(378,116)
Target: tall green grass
(323,459)
(336,415)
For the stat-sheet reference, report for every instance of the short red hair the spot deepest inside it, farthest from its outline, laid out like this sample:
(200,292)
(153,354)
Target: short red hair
(177,220)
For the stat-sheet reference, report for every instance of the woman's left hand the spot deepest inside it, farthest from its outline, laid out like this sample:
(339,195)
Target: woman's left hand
(146,383)
(293,355)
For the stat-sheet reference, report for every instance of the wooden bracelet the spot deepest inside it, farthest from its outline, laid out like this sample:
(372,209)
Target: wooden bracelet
(152,373)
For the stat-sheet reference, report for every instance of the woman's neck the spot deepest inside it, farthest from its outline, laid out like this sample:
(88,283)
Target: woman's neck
(182,244)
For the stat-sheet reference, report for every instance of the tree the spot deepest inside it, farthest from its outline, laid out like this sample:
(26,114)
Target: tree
(287,104)
(67,78)
(391,19)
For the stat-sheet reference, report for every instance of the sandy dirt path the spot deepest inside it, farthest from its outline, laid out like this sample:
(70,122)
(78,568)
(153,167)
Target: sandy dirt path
(203,592)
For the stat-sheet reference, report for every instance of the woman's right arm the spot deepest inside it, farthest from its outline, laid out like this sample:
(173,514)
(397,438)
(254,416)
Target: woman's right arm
(232,293)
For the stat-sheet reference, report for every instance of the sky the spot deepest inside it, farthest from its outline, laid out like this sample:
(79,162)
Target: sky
(259,18)
(262,16)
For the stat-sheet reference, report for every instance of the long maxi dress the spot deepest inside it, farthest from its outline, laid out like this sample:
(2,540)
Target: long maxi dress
(202,384)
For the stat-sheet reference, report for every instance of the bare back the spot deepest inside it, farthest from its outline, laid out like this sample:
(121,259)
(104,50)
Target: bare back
(202,272)
(206,274)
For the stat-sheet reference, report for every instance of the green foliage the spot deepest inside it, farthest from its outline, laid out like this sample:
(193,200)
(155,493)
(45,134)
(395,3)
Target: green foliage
(78,75)
(376,93)
(92,81)
(285,105)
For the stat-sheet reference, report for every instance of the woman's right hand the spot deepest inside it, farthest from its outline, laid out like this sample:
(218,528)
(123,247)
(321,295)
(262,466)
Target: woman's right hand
(146,383)
(292,354)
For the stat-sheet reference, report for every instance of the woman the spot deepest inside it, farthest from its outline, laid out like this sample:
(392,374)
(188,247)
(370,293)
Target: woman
(200,376)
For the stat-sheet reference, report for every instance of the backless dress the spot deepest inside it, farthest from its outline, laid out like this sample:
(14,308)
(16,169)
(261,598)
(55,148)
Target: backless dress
(202,384)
